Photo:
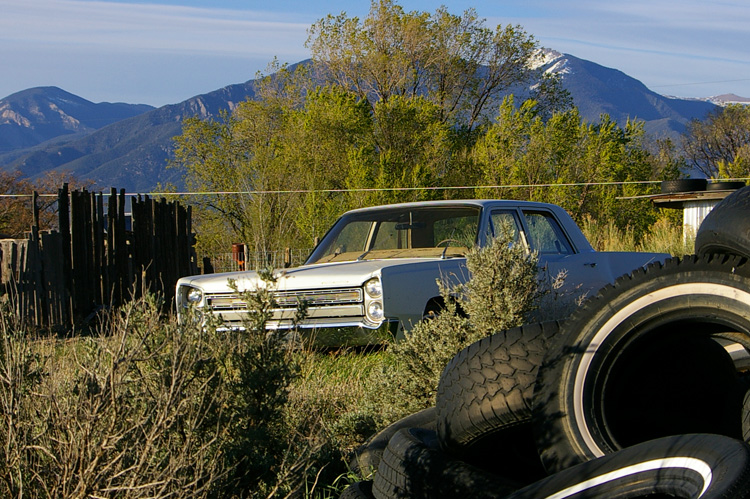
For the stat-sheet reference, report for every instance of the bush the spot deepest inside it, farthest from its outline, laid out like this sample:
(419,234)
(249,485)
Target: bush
(501,293)
(147,408)
(129,412)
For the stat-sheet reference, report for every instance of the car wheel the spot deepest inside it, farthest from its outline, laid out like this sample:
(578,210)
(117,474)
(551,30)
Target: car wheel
(698,465)
(367,458)
(726,229)
(643,360)
(414,466)
(488,387)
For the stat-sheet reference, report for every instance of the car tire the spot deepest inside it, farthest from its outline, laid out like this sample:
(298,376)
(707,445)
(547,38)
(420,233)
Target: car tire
(414,466)
(697,465)
(367,457)
(724,185)
(488,387)
(726,229)
(643,360)
(683,185)
(358,490)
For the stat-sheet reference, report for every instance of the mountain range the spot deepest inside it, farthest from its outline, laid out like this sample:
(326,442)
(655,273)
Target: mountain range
(128,146)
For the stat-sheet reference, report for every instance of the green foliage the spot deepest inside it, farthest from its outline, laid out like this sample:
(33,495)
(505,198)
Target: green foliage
(719,146)
(396,53)
(247,151)
(402,98)
(557,160)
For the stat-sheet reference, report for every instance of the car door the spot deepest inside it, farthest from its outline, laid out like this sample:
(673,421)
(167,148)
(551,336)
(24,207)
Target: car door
(559,257)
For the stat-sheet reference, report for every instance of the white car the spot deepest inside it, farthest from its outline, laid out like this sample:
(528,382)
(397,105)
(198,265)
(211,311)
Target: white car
(374,275)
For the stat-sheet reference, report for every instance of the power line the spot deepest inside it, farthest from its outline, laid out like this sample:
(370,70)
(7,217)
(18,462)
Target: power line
(366,189)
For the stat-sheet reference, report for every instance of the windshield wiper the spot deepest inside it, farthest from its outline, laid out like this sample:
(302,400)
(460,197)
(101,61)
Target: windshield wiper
(362,256)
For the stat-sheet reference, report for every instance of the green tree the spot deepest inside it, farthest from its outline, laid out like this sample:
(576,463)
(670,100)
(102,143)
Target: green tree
(454,61)
(533,155)
(245,152)
(412,145)
(331,138)
(719,146)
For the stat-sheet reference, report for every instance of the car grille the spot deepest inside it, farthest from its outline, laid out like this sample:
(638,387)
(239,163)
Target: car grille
(290,299)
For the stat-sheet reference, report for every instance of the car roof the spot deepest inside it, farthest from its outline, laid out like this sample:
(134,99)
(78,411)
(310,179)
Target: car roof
(480,203)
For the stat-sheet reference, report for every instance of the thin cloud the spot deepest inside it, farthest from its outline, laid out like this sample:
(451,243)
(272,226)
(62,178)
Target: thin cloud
(142,27)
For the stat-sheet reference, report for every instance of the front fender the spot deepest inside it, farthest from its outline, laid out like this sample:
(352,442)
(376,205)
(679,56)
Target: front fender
(408,288)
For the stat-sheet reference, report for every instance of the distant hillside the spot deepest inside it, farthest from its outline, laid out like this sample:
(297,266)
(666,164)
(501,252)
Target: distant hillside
(725,99)
(598,90)
(133,153)
(36,115)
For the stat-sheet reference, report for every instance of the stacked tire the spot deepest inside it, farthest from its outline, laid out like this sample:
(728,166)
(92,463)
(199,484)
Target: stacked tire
(644,390)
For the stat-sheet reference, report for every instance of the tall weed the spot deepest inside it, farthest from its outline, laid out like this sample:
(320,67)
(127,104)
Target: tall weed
(664,236)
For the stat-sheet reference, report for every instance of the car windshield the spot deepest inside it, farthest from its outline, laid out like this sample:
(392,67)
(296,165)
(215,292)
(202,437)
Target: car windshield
(438,231)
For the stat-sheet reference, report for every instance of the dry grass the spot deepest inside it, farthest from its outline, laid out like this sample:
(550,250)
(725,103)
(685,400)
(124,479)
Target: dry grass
(664,237)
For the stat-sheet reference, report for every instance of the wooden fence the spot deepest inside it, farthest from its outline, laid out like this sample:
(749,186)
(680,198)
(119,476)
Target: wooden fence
(98,258)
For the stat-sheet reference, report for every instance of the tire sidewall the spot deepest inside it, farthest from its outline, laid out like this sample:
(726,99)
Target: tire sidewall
(596,336)
(696,465)
(726,229)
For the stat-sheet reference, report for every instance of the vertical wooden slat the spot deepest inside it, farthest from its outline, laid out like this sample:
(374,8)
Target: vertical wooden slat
(99,239)
(35,269)
(122,251)
(137,253)
(63,209)
(90,279)
(113,296)
(77,253)
(53,277)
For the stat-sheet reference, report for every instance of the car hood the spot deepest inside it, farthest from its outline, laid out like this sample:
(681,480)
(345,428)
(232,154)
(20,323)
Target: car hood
(326,275)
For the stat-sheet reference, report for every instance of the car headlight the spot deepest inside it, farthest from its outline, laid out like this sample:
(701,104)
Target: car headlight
(375,311)
(194,295)
(374,288)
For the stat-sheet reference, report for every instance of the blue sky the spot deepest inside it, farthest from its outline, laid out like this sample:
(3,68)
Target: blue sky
(163,52)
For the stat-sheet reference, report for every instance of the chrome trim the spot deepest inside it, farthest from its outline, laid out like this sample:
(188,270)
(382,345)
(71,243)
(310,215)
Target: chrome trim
(289,299)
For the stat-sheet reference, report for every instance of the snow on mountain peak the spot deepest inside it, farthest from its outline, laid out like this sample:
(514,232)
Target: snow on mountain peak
(543,57)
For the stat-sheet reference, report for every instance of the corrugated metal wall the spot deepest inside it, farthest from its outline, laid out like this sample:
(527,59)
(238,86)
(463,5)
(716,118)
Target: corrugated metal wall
(693,213)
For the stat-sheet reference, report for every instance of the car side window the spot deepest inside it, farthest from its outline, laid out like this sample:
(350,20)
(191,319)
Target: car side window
(501,220)
(545,234)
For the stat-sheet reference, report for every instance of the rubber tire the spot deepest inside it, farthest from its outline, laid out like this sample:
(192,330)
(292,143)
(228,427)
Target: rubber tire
(724,185)
(639,361)
(697,465)
(726,228)
(746,416)
(358,490)
(486,388)
(683,185)
(414,466)
(367,457)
